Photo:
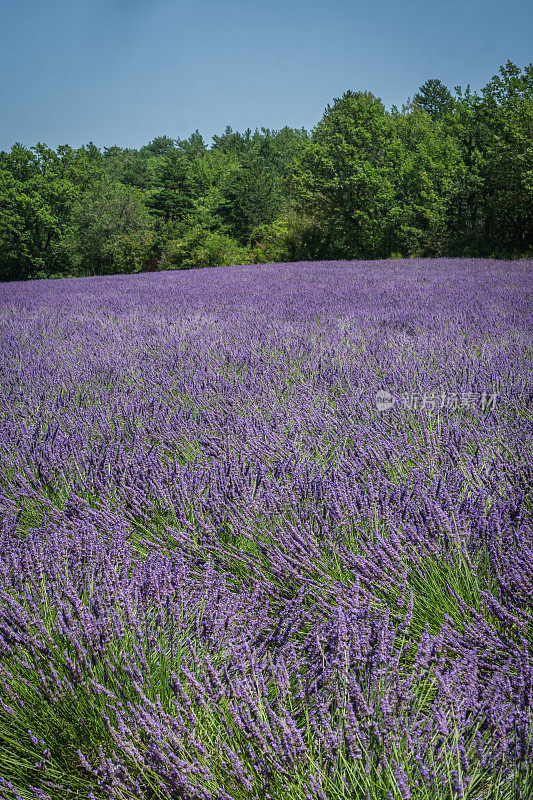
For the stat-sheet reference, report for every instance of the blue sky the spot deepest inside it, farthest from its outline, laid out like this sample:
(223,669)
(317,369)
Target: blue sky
(125,71)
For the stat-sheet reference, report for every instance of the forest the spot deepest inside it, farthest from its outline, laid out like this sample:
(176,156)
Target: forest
(448,174)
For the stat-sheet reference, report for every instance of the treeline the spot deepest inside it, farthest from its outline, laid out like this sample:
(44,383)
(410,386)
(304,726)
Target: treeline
(448,174)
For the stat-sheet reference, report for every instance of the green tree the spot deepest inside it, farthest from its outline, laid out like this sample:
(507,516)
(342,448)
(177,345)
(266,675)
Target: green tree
(130,167)
(171,198)
(435,98)
(38,188)
(160,146)
(110,230)
(426,163)
(344,178)
(506,113)
(490,210)
(445,175)
(250,196)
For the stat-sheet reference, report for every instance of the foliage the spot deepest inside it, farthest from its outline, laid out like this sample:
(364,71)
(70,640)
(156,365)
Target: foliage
(110,230)
(449,174)
(426,166)
(435,98)
(490,211)
(250,197)
(38,189)
(202,248)
(171,197)
(346,174)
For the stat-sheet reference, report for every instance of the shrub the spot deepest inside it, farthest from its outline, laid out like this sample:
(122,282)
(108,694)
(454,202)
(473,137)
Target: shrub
(203,248)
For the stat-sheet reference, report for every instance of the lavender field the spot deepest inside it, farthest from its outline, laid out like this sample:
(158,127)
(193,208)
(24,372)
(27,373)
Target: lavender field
(267,533)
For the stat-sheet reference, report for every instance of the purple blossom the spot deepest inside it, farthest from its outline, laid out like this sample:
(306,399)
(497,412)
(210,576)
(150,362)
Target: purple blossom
(224,571)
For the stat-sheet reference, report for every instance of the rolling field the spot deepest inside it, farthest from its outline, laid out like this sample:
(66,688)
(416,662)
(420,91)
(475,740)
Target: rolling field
(266,532)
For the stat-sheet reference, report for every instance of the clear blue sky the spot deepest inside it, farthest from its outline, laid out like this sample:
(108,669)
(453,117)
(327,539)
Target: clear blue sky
(125,71)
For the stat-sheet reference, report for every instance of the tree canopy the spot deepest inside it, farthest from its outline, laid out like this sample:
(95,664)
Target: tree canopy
(451,173)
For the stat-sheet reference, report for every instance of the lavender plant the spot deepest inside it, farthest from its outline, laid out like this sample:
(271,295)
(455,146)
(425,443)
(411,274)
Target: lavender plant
(228,573)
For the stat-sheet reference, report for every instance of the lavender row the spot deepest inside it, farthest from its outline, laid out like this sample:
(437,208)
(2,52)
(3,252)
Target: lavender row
(228,572)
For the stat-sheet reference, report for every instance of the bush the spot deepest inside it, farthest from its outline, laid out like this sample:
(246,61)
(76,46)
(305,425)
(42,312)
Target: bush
(292,238)
(270,243)
(203,248)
